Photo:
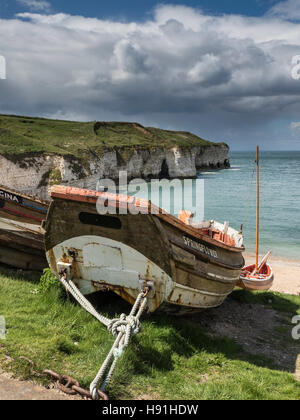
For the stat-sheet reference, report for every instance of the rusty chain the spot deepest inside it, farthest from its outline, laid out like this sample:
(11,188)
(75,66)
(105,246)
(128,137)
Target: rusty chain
(70,386)
(64,383)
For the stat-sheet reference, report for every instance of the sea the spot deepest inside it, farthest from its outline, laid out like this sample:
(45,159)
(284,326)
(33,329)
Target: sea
(230,195)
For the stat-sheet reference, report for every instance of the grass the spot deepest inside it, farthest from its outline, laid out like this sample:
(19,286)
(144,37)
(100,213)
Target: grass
(170,358)
(288,304)
(21,136)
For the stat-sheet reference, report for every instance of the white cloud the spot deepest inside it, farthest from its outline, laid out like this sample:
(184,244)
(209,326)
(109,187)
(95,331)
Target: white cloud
(129,60)
(36,5)
(295,127)
(181,69)
(289,9)
(209,71)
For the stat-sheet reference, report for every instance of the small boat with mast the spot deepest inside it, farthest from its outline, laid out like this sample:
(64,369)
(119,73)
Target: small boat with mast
(258,276)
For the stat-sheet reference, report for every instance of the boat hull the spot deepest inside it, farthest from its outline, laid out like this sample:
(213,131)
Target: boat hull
(125,252)
(262,282)
(22,246)
(22,208)
(21,235)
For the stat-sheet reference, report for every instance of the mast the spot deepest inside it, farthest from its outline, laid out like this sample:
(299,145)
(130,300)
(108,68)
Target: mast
(257,209)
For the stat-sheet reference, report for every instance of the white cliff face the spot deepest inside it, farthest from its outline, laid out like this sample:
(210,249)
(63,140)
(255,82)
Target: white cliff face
(212,157)
(34,175)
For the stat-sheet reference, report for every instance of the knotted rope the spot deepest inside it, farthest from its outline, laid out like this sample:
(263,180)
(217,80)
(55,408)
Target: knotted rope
(123,328)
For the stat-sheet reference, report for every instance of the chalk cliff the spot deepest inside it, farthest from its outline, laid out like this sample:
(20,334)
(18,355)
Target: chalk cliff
(34,175)
(143,152)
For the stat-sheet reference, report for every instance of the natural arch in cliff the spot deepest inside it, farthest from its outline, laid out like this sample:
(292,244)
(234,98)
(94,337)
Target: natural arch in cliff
(226,163)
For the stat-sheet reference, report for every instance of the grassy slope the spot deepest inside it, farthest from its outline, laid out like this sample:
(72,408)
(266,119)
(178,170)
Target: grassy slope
(22,135)
(170,359)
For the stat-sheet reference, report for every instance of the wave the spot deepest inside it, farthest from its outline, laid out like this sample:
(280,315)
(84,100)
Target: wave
(208,173)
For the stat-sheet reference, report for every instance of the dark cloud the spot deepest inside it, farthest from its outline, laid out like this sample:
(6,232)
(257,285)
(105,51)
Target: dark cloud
(226,78)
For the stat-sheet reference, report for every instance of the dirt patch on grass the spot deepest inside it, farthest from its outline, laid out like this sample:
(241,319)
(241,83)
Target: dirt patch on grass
(14,389)
(297,373)
(258,329)
(152,396)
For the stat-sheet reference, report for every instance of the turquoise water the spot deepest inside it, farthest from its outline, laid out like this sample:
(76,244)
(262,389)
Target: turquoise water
(227,192)
(230,195)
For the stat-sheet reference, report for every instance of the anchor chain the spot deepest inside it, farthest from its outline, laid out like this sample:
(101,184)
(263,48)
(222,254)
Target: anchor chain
(65,383)
(70,386)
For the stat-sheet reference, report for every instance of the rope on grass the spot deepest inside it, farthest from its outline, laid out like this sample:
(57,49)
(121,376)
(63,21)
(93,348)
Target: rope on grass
(123,328)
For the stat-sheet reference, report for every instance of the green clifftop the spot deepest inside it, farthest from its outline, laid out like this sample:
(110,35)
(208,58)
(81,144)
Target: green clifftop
(25,135)
(36,153)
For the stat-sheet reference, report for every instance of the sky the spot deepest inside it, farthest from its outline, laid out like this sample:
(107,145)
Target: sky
(225,70)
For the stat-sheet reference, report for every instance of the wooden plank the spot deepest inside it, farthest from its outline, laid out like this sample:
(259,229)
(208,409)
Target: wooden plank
(21,260)
(15,241)
(182,256)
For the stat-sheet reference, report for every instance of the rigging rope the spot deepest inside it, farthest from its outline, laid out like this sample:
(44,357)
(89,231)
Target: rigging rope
(122,328)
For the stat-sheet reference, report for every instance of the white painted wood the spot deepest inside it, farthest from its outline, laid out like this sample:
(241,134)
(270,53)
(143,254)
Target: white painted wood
(102,260)
(264,260)
(15,226)
(98,255)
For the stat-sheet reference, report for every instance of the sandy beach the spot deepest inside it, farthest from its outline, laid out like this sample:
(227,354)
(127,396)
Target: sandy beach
(287,274)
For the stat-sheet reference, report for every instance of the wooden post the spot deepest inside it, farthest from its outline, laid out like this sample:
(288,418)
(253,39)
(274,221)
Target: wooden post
(257,209)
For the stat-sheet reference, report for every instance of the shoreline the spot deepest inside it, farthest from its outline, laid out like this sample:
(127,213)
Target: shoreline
(286,273)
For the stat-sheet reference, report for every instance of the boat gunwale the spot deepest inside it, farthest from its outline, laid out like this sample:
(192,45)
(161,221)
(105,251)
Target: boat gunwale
(91,197)
(23,195)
